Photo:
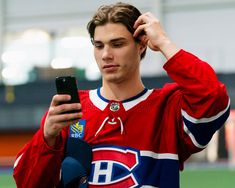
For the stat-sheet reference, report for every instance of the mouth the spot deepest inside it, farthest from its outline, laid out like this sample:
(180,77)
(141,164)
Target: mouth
(110,67)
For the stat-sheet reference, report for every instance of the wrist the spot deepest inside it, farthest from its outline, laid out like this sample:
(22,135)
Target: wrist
(168,48)
(50,139)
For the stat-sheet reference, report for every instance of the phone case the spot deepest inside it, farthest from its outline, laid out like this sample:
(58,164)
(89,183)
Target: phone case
(68,85)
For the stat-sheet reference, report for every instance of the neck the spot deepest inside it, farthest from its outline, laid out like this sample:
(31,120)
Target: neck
(121,91)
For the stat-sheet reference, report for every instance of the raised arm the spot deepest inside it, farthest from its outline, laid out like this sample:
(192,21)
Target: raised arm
(204,101)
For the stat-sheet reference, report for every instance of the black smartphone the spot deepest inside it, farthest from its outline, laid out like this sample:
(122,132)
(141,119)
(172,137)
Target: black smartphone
(68,85)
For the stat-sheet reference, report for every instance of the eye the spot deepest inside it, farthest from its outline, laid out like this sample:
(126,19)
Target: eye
(117,44)
(98,45)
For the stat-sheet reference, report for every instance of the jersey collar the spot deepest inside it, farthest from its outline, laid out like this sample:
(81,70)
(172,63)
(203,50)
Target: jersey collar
(100,102)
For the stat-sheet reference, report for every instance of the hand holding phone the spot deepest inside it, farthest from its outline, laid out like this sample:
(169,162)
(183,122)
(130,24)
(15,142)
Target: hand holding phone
(54,124)
(68,85)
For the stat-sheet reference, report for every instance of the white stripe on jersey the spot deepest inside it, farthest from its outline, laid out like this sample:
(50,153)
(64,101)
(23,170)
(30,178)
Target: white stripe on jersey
(128,105)
(96,100)
(17,160)
(204,120)
(193,138)
(159,155)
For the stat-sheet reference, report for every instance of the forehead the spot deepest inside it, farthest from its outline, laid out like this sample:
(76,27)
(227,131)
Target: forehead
(111,31)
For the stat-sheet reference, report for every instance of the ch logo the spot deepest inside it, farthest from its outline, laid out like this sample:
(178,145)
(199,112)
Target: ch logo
(113,167)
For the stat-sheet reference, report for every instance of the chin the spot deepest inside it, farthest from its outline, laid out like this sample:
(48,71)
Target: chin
(113,79)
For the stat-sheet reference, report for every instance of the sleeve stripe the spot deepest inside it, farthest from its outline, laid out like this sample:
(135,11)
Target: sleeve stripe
(193,138)
(17,160)
(201,130)
(204,120)
(154,155)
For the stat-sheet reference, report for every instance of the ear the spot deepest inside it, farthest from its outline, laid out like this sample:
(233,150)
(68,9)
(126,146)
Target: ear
(143,43)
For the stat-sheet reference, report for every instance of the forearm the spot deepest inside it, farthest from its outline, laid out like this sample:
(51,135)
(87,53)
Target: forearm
(197,80)
(203,100)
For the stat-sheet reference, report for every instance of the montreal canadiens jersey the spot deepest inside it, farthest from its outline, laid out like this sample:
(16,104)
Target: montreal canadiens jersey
(141,141)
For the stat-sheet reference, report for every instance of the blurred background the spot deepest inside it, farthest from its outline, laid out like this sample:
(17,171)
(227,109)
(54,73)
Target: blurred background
(40,40)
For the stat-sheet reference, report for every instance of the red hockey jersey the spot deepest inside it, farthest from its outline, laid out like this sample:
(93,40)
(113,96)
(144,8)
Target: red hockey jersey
(142,141)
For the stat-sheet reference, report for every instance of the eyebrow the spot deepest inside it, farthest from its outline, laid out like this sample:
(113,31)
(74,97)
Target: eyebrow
(112,40)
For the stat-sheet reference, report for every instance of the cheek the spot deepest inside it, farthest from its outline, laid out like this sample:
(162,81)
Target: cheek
(132,55)
(95,52)
(97,55)
(97,58)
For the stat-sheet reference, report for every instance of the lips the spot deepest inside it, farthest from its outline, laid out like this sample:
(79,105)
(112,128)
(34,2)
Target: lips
(110,67)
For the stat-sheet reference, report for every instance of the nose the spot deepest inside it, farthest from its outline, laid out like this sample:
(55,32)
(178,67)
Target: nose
(107,53)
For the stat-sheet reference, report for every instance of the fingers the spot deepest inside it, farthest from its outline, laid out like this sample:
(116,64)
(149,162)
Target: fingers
(155,36)
(58,99)
(56,121)
(60,104)
(139,26)
(144,24)
(64,108)
(62,111)
(138,30)
(61,115)
(143,19)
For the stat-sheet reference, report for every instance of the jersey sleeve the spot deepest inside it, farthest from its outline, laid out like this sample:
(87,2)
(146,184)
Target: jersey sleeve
(204,101)
(37,165)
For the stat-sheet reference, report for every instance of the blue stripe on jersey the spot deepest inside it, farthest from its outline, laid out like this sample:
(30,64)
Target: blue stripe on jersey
(137,96)
(203,131)
(127,100)
(162,173)
(100,96)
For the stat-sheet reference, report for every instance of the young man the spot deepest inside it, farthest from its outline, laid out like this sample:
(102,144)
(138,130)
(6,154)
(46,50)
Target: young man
(139,136)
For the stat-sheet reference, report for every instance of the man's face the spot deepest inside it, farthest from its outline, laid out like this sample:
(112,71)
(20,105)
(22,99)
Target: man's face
(116,53)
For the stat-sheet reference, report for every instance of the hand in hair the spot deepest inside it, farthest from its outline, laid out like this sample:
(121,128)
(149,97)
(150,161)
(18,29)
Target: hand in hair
(155,36)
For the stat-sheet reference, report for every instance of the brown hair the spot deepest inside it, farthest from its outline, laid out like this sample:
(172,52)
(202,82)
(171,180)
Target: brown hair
(123,13)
